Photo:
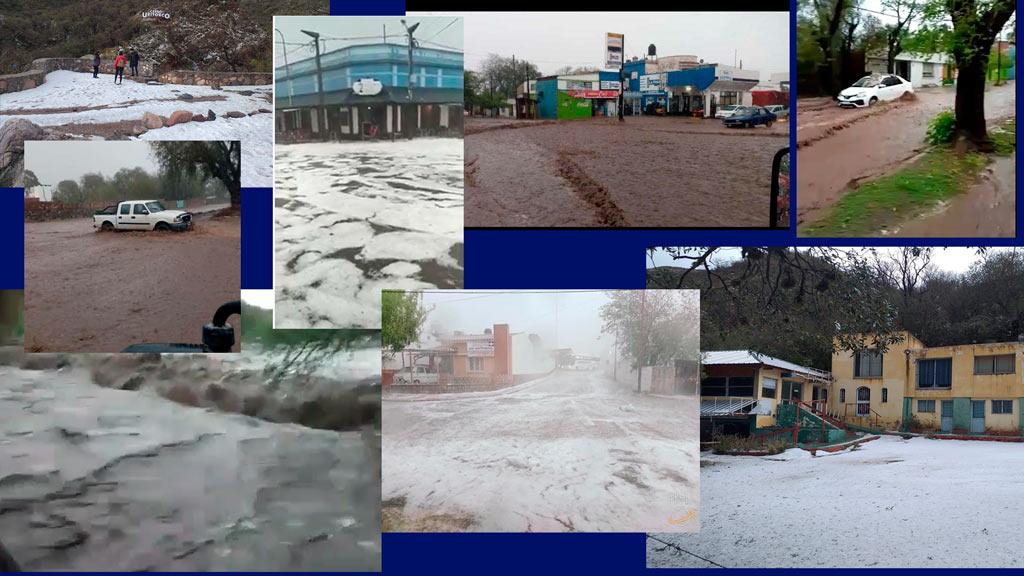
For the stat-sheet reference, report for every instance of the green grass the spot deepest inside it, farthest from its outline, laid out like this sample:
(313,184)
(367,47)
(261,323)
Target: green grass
(937,176)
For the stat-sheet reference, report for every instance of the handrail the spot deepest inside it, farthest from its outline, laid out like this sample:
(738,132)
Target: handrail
(868,416)
(794,430)
(821,413)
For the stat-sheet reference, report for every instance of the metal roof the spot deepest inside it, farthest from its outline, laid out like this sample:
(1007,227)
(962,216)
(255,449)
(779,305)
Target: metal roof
(722,357)
(726,406)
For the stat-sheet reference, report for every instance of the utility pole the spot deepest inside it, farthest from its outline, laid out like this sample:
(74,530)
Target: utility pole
(322,120)
(615,363)
(385,33)
(999,58)
(640,356)
(284,48)
(515,78)
(412,43)
(622,73)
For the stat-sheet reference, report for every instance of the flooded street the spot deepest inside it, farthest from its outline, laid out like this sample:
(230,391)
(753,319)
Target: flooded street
(843,146)
(353,218)
(89,291)
(571,451)
(97,479)
(649,171)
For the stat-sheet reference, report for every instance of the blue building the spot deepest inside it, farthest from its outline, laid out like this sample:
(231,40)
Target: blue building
(682,85)
(578,95)
(366,93)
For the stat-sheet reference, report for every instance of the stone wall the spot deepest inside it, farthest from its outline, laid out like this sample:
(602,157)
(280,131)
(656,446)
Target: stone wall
(36,74)
(200,78)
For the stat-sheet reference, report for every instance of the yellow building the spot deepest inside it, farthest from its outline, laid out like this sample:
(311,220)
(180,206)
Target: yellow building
(962,389)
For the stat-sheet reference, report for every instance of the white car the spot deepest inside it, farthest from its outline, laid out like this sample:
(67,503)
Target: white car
(141,215)
(726,111)
(873,89)
(415,375)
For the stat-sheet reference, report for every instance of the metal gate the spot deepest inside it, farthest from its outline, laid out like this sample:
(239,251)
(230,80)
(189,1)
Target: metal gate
(977,417)
(947,416)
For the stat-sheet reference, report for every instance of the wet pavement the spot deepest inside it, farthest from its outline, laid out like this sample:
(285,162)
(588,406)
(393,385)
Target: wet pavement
(572,451)
(89,291)
(353,218)
(101,479)
(647,171)
(848,146)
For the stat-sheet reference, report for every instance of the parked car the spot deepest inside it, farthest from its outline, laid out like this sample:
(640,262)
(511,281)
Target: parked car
(415,375)
(141,215)
(874,88)
(749,116)
(779,110)
(726,111)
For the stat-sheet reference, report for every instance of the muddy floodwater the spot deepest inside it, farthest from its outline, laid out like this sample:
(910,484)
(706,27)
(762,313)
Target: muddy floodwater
(98,478)
(89,291)
(646,171)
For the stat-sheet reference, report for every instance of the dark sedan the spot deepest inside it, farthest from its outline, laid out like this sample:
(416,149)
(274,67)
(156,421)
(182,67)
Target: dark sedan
(750,116)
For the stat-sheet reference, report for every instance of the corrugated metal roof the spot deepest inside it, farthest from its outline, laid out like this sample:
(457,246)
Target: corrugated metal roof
(725,406)
(720,357)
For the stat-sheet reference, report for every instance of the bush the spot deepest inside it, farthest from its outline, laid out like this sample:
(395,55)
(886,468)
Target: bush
(941,129)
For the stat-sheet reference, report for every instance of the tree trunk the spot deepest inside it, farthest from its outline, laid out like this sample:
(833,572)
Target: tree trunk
(970,100)
(235,189)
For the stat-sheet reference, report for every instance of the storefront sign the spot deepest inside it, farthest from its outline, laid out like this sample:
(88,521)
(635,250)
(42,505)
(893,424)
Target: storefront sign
(609,85)
(724,74)
(630,94)
(367,87)
(578,85)
(650,83)
(595,94)
(613,52)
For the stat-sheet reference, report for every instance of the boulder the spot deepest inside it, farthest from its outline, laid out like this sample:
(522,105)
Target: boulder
(235,114)
(13,135)
(199,118)
(152,121)
(185,96)
(254,112)
(139,130)
(264,111)
(178,117)
(245,92)
(210,115)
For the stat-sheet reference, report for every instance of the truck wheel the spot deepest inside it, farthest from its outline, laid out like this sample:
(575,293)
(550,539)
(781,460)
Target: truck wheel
(162,226)
(768,123)
(106,227)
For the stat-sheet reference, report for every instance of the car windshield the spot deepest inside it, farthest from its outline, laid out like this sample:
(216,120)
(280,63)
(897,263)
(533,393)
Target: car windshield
(745,110)
(730,107)
(867,82)
(155,207)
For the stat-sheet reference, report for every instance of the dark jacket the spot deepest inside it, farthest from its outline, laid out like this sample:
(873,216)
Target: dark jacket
(133,58)
(95,60)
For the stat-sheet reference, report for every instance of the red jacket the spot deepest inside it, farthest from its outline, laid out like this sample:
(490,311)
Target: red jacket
(119,61)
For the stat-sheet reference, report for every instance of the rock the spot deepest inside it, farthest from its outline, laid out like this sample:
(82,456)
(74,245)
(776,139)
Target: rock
(152,121)
(139,130)
(245,92)
(178,117)
(264,111)
(185,96)
(133,383)
(182,394)
(198,118)
(13,135)
(215,88)
(235,114)
(154,83)
(210,115)
(254,112)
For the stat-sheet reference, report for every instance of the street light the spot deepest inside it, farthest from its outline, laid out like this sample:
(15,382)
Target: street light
(412,43)
(319,82)
(286,66)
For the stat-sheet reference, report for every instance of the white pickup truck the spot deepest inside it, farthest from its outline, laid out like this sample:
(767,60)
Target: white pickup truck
(141,215)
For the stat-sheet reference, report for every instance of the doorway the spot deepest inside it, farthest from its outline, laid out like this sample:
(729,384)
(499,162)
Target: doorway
(863,401)
(946,424)
(977,417)
(903,69)
(791,392)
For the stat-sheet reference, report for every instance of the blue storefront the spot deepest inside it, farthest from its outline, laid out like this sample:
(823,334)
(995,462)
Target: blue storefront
(366,93)
(645,91)
(578,96)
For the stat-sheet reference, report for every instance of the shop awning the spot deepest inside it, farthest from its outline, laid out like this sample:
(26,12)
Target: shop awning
(389,95)
(731,85)
(726,406)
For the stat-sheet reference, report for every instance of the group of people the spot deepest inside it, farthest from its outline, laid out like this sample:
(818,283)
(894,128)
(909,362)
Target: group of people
(132,59)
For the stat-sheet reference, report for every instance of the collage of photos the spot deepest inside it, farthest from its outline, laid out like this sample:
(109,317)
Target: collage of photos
(835,382)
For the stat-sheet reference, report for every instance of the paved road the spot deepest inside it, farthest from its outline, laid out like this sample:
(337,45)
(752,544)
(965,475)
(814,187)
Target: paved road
(574,451)
(876,144)
(99,479)
(88,291)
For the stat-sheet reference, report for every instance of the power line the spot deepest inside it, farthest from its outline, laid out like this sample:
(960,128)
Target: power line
(454,20)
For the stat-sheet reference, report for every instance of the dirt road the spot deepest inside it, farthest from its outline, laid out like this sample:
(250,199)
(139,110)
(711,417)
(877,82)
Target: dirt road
(843,146)
(666,172)
(573,451)
(88,291)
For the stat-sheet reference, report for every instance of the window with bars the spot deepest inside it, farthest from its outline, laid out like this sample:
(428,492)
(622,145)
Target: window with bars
(928,70)
(768,386)
(885,394)
(476,364)
(999,364)
(867,364)
(842,394)
(926,406)
(935,373)
(1002,406)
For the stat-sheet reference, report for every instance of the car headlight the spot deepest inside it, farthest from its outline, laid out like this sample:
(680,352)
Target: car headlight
(177,218)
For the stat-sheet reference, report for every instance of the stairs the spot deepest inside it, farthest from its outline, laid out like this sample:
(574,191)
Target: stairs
(815,427)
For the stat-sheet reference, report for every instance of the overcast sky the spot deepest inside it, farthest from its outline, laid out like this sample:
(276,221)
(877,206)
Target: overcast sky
(552,40)
(948,259)
(433,32)
(261,298)
(66,160)
(579,320)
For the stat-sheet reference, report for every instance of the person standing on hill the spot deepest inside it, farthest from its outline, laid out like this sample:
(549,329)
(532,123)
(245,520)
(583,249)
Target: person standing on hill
(96,65)
(133,61)
(119,66)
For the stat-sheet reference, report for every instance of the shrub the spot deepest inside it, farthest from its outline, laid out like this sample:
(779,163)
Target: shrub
(914,423)
(941,129)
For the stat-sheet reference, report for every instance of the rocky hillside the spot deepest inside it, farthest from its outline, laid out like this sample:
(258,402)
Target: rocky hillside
(230,35)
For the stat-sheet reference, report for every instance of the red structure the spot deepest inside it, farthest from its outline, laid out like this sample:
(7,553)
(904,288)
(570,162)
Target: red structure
(769,98)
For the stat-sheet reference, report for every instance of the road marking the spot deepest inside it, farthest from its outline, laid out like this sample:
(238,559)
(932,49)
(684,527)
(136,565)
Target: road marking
(671,521)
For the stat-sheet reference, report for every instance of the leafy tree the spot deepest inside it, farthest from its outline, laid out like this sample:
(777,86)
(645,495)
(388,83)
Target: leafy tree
(205,159)
(402,317)
(470,87)
(69,192)
(503,77)
(895,34)
(31,181)
(671,325)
